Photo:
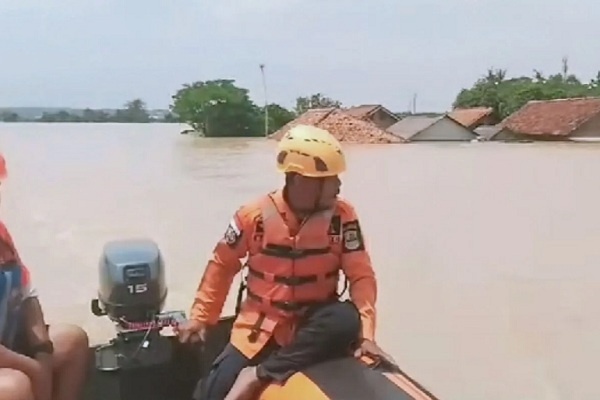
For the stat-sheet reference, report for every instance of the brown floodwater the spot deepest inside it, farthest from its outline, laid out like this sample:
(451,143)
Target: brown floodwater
(487,254)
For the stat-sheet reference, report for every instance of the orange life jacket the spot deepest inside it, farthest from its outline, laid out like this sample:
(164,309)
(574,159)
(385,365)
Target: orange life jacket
(286,275)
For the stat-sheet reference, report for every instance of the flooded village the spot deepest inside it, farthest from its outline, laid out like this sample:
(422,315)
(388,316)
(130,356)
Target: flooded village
(570,119)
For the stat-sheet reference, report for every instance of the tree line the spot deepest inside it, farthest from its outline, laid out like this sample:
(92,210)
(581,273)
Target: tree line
(212,108)
(220,108)
(134,111)
(506,95)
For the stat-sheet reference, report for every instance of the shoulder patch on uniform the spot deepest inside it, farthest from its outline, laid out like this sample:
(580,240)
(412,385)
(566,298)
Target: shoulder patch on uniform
(353,238)
(232,234)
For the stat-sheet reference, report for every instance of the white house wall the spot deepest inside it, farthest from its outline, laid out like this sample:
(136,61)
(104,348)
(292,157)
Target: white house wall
(444,130)
(589,130)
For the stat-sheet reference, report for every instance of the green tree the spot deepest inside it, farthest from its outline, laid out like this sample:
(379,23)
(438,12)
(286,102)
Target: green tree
(506,96)
(9,116)
(169,117)
(90,115)
(317,100)
(595,83)
(60,116)
(218,108)
(134,111)
(278,117)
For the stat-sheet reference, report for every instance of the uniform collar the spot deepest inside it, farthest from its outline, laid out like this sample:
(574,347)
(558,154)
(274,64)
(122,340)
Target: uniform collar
(282,205)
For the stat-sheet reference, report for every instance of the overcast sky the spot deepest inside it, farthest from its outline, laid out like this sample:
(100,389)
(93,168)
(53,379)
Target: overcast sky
(101,53)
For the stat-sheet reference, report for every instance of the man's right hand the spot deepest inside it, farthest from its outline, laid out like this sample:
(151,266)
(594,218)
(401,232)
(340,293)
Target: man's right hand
(191,331)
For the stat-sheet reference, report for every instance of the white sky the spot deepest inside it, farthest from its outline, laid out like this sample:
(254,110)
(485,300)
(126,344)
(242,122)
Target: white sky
(101,53)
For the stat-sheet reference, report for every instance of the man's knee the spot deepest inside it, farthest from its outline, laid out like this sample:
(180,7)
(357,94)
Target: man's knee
(71,343)
(222,375)
(15,385)
(342,321)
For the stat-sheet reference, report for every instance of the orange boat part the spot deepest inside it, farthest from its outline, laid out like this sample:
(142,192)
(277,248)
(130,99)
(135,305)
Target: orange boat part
(348,379)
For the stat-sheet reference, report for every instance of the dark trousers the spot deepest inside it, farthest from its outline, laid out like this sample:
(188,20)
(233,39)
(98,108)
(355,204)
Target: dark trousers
(328,332)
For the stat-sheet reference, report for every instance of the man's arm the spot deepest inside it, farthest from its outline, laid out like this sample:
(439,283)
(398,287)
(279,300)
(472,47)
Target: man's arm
(34,323)
(221,269)
(13,360)
(33,319)
(357,266)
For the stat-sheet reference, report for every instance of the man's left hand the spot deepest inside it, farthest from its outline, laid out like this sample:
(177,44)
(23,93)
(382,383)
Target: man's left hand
(370,349)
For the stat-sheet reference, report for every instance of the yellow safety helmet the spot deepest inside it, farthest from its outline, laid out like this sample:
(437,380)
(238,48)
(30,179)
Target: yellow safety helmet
(310,151)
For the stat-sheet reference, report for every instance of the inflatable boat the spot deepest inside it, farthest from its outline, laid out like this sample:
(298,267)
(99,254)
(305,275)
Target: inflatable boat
(145,361)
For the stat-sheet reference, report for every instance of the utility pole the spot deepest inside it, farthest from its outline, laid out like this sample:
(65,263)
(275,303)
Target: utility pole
(414,103)
(264,81)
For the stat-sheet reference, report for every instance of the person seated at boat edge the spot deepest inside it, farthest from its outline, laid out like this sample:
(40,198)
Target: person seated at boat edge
(36,362)
(297,239)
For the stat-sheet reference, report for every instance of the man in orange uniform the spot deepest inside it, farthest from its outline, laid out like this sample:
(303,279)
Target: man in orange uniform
(36,363)
(297,240)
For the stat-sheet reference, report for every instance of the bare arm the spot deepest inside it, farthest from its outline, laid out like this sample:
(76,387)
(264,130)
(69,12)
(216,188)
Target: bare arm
(14,360)
(34,325)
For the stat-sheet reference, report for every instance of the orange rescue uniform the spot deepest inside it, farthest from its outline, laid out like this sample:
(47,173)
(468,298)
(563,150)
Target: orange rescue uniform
(258,231)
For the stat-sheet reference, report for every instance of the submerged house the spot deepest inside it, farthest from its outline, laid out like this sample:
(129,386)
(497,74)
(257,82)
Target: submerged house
(310,117)
(487,132)
(431,129)
(576,119)
(474,117)
(344,127)
(375,113)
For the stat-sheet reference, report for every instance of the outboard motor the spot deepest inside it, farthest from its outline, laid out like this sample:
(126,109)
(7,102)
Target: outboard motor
(132,282)
(132,293)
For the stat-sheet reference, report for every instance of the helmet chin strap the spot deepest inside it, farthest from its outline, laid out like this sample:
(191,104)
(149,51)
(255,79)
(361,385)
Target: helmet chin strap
(316,207)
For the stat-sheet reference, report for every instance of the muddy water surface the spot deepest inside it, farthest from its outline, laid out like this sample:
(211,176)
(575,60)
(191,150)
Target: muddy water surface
(487,254)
